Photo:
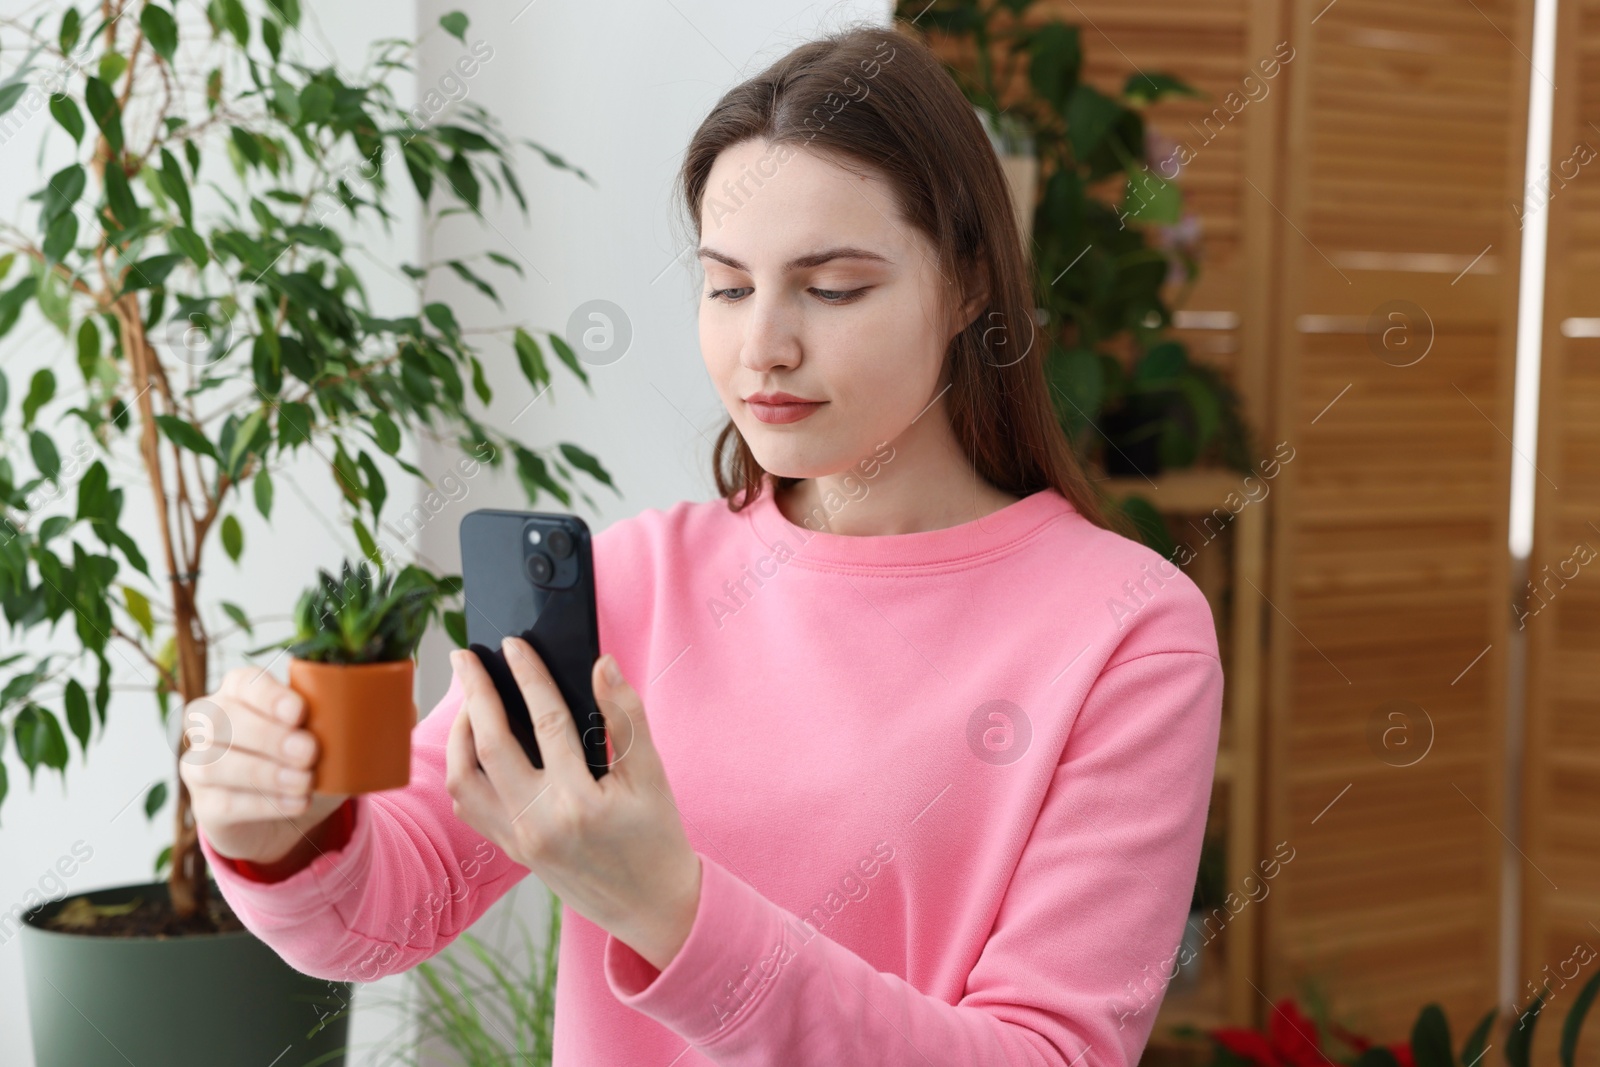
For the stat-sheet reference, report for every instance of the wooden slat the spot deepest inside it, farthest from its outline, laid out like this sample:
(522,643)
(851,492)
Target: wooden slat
(1561,870)
(1401,152)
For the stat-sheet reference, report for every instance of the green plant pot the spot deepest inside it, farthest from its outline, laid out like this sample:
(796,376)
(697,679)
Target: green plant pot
(193,1001)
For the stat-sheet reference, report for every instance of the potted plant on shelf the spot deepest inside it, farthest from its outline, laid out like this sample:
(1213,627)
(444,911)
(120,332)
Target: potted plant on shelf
(193,243)
(1111,245)
(351,658)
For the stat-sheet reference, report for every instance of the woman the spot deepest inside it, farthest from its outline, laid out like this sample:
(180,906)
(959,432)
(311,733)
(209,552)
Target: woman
(916,756)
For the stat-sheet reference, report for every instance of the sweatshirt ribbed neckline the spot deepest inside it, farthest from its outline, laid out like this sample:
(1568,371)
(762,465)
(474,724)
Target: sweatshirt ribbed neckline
(967,542)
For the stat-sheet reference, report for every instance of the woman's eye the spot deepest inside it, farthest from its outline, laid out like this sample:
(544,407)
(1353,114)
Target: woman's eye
(828,296)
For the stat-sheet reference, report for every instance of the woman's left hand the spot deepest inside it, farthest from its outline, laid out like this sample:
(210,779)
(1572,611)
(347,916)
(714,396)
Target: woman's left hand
(613,849)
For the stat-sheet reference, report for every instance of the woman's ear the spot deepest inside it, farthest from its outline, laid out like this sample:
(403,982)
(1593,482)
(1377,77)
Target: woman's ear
(978,297)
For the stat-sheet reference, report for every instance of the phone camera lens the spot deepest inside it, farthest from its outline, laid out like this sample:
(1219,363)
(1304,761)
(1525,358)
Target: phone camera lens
(540,569)
(560,543)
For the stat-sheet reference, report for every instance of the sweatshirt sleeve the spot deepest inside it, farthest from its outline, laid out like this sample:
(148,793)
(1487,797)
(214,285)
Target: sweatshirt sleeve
(1094,910)
(409,879)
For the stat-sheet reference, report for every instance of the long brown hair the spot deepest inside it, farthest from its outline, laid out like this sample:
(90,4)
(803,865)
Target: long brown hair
(878,97)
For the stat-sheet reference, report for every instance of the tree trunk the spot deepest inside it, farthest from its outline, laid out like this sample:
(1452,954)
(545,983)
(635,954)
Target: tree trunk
(186,882)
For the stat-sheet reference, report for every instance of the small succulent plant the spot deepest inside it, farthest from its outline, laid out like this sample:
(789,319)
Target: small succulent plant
(362,618)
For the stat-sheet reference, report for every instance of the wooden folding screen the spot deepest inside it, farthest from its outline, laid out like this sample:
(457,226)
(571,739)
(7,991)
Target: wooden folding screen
(1395,346)
(1360,288)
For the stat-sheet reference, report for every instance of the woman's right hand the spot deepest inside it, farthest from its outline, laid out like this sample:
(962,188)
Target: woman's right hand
(248,770)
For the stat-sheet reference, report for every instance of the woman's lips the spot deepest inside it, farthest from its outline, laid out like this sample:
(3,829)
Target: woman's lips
(786,412)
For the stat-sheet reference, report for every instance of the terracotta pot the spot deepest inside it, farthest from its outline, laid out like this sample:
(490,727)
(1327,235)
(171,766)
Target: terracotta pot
(361,715)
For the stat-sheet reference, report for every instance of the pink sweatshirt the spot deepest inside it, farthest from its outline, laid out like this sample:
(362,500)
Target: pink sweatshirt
(947,788)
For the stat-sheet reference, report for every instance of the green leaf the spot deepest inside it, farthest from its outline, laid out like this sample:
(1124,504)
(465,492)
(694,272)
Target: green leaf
(236,613)
(104,110)
(369,547)
(67,115)
(76,702)
(586,463)
(71,25)
(1377,1057)
(461,178)
(443,319)
(455,24)
(234,18)
(1575,1016)
(1162,365)
(153,800)
(1055,59)
(1520,1038)
(296,422)
(111,67)
(1142,88)
(10,94)
(119,197)
(376,490)
(139,607)
(189,243)
(531,359)
(473,280)
(41,390)
(252,436)
(95,501)
(151,271)
(184,434)
(45,456)
(455,625)
(12,300)
(232,537)
(289,10)
(39,739)
(1148,197)
(5,392)
(534,475)
(1090,116)
(102,690)
(420,166)
(63,190)
(316,102)
(1472,1051)
(479,386)
(506,261)
(59,237)
(261,487)
(568,356)
(163,861)
(385,433)
(173,183)
(160,29)
(1430,1039)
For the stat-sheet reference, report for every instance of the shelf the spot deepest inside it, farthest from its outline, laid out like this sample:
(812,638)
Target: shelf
(1190,491)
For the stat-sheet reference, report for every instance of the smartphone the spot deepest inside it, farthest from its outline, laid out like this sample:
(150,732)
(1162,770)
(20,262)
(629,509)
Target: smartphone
(531,574)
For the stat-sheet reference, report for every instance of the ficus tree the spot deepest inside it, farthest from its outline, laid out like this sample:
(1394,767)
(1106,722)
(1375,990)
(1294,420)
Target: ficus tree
(195,244)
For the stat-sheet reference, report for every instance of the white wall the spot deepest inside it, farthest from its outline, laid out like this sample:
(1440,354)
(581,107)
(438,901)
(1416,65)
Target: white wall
(616,89)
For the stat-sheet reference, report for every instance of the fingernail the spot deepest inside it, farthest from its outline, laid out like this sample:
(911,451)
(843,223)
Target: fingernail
(613,672)
(299,746)
(294,778)
(288,707)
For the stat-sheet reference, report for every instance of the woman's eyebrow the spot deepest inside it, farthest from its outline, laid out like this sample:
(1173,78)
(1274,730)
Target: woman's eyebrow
(811,259)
